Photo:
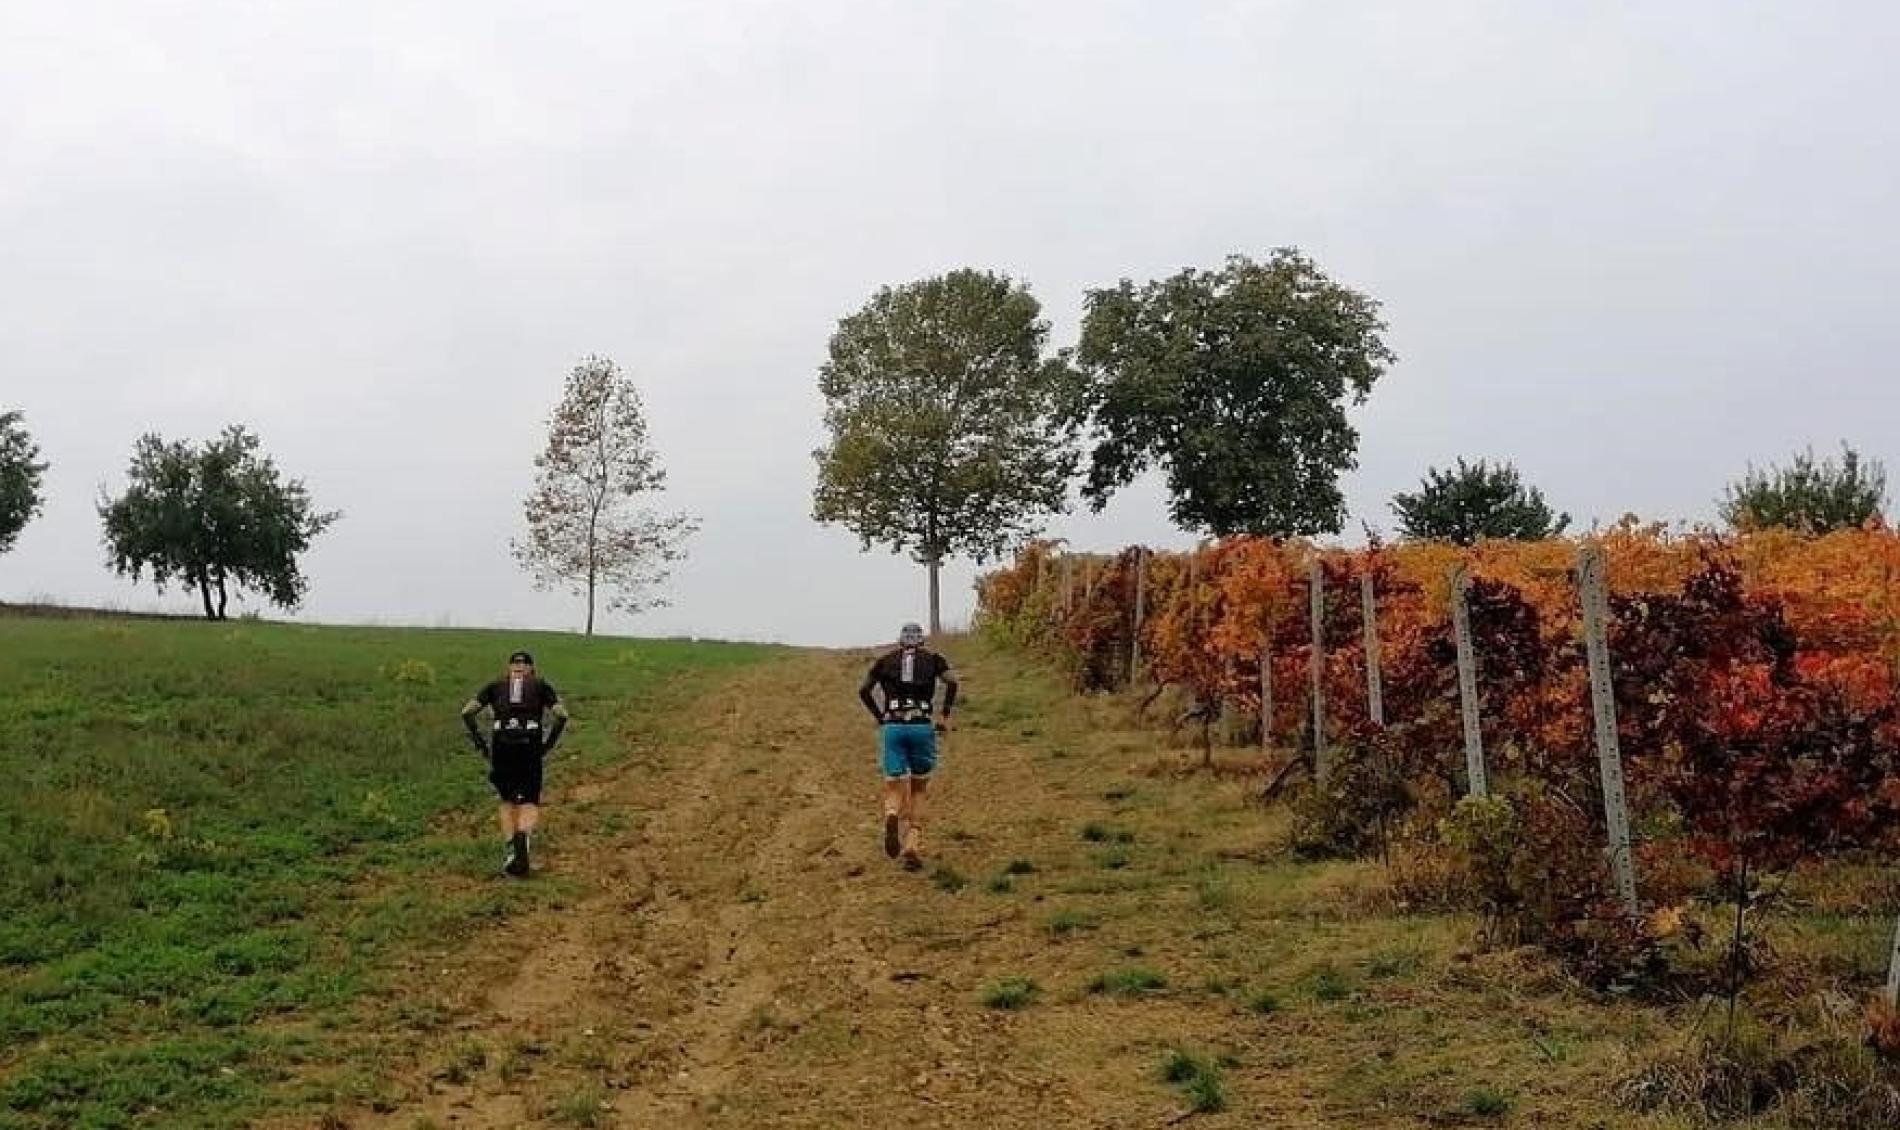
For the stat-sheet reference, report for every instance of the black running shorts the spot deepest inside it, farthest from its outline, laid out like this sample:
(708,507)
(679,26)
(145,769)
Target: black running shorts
(516,773)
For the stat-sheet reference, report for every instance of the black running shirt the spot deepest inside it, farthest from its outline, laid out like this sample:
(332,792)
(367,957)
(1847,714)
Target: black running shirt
(908,677)
(518,700)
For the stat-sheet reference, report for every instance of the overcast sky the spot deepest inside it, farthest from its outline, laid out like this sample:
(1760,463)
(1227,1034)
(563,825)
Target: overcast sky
(1630,246)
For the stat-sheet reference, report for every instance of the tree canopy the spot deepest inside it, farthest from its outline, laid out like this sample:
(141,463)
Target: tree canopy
(216,517)
(20,476)
(1475,501)
(1236,383)
(944,416)
(587,526)
(1809,496)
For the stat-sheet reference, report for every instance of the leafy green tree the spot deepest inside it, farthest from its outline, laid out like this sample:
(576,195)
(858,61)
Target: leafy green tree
(1475,501)
(1809,497)
(944,419)
(1236,382)
(20,499)
(215,517)
(587,528)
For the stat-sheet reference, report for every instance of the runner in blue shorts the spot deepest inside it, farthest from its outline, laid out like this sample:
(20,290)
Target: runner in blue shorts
(907,677)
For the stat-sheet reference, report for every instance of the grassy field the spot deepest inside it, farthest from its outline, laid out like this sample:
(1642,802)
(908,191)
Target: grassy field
(219,838)
(253,884)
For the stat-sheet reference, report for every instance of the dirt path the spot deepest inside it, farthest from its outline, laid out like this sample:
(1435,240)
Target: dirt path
(742,954)
(753,956)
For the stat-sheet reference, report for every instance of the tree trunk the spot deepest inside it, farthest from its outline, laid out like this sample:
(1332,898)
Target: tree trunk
(224,597)
(204,594)
(590,601)
(936,619)
(933,561)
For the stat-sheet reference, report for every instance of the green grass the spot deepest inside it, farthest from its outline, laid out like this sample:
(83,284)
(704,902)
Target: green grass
(1200,1079)
(948,880)
(1485,1102)
(1330,986)
(1214,892)
(1066,922)
(1011,994)
(1135,982)
(214,825)
(583,1107)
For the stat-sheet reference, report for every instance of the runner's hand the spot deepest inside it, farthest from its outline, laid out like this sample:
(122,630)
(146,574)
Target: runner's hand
(943,724)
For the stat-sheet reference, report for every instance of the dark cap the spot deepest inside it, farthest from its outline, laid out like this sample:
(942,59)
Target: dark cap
(521,657)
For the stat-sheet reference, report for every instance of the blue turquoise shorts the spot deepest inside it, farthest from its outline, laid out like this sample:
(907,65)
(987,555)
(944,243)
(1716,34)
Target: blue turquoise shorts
(910,749)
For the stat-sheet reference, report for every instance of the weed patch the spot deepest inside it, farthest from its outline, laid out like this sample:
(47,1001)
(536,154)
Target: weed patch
(1137,982)
(1011,994)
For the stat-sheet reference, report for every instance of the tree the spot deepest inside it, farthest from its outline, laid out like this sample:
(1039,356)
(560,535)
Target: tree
(215,517)
(1809,497)
(945,426)
(1236,382)
(20,500)
(587,530)
(1473,502)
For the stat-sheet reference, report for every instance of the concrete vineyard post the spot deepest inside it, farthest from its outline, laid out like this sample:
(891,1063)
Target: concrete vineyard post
(1893,971)
(1593,583)
(1375,686)
(1141,613)
(1316,586)
(1476,785)
(1266,694)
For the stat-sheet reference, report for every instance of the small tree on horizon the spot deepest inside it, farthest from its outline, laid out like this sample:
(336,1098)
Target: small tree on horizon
(943,418)
(587,530)
(217,517)
(1475,501)
(1808,496)
(20,478)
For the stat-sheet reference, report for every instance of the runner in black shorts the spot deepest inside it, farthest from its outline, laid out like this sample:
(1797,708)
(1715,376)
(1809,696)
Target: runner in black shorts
(908,678)
(520,701)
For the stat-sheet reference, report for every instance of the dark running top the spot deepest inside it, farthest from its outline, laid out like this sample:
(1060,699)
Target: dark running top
(908,678)
(518,702)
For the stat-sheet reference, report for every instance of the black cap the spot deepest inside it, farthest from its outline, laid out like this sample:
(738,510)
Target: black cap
(521,657)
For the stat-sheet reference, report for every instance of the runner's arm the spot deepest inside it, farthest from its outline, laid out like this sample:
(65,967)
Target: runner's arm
(554,732)
(867,698)
(950,685)
(470,710)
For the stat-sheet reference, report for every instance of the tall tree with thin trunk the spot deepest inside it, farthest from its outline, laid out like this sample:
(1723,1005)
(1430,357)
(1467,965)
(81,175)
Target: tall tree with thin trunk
(588,531)
(945,426)
(215,516)
(20,473)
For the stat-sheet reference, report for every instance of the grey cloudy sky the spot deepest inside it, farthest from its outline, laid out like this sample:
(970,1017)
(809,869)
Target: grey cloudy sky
(1631,246)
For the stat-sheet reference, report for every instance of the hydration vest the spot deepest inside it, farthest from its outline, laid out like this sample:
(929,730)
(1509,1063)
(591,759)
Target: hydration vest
(907,697)
(517,711)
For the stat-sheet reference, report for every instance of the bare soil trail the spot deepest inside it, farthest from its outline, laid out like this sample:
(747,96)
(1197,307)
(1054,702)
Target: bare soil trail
(739,951)
(751,956)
